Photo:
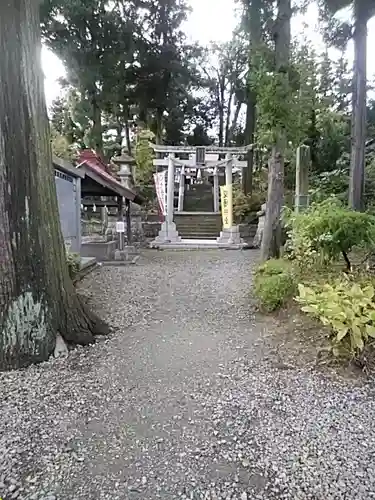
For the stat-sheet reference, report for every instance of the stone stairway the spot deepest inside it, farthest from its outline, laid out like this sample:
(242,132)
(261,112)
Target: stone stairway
(198,225)
(199,198)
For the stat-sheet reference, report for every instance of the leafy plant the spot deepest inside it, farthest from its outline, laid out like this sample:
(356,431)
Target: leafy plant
(275,284)
(144,156)
(328,230)
(346,307)
(244,205)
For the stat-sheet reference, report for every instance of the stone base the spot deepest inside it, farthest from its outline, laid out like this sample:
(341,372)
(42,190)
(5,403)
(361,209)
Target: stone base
(230,236)
(167,234)
(127,254)
(188,244)
(100,250)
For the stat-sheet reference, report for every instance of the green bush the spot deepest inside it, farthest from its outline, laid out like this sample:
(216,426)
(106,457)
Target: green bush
(347,308)
(74,263)
(275,284)
(328,230)
(244,205)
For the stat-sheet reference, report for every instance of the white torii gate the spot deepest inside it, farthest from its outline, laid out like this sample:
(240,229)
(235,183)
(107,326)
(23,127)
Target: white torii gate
(168,232)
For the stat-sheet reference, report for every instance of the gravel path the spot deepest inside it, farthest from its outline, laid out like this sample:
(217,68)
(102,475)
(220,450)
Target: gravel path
(185,400)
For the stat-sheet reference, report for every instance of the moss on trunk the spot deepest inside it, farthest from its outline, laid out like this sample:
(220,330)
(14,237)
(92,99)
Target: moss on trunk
(37,297)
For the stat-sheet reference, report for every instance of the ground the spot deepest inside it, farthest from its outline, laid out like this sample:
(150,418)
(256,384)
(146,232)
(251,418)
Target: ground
(189,398)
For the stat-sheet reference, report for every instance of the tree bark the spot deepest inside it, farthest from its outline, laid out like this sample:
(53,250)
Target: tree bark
(159,126)
(271,238)
(271,242)
(358,139)
(229,112)
(97,129)
(254,23)
(37,297)
(127,130)
(221,107)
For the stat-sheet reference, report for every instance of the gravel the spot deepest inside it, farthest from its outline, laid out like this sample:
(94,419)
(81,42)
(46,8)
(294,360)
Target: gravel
(185,400)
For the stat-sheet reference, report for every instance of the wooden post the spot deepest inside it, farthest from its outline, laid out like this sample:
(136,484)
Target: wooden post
(302,178)
(128,222)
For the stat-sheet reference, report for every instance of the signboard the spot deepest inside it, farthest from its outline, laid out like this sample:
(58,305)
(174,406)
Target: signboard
(226,205)
(161,192)
(120,227)
(200,154)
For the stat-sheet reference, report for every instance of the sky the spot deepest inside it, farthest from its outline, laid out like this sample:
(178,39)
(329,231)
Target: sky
(211,20)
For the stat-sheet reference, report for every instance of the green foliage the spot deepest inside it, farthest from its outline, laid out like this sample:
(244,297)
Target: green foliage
(144,156)
(126,61)
(244,205)
(74,263)
(346,307)
(328,230)
(61,147)
(274,104)
(275,284)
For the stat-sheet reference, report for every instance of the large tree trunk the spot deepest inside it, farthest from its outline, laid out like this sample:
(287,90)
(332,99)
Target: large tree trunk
(127,130)
(37,297)
(271,241)
(234,123)
(229,112)
(357,158)
(221,107)
(97,129)
(159,126)
(254,27)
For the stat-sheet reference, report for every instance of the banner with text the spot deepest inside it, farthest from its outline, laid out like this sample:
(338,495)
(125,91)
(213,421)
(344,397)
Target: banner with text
(227,205)
(161,192)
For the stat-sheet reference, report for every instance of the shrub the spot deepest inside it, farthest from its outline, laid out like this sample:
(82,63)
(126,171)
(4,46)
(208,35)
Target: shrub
(347,308)
(328,230)
(74,263)
(275,284)
(244,205)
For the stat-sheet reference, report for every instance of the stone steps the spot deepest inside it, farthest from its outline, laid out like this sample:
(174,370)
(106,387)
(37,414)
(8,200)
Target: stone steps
(199,198)
(199,226)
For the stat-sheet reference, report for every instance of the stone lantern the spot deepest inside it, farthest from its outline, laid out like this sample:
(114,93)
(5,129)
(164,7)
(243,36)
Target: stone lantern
(125,163)
(126,168)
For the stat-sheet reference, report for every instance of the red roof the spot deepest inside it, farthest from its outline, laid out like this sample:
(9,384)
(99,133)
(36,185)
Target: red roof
(94,163)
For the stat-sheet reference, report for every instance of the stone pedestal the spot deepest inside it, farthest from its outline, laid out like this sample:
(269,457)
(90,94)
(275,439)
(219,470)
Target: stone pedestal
(168,233)
(230,236)
(128,255)
(261,221)
(303,163)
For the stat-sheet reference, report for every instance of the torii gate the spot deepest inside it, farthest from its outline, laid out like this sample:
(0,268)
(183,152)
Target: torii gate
(229,236)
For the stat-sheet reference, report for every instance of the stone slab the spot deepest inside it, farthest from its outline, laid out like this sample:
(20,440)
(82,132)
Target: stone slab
(121,263)
(187,244)
(101,250)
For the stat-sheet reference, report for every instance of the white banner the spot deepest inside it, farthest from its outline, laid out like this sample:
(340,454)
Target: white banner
(161,192)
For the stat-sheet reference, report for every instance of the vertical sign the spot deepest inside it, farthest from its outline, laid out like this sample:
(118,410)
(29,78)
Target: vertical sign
(226,205)
(200,155)
(161,192)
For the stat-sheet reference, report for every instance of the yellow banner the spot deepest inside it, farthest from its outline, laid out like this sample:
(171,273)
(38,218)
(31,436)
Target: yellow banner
(227,205)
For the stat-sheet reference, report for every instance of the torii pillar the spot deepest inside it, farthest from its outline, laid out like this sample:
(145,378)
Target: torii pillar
(230,236)
(168,232)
